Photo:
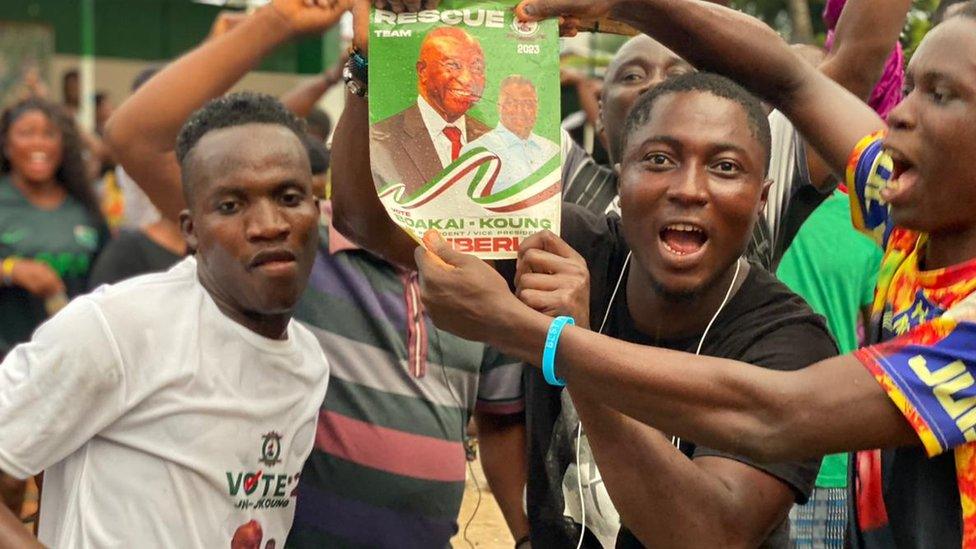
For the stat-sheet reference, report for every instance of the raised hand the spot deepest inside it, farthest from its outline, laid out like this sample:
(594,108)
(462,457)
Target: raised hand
(311,16)
(552,278)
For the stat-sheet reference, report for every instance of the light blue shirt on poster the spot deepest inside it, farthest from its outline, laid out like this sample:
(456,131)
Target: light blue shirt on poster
(520,158)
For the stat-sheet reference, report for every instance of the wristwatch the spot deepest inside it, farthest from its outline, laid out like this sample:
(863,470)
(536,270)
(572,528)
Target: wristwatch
(356,73)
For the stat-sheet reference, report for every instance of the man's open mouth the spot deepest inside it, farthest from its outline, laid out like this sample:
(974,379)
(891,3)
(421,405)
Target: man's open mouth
(904,176)
(683,239)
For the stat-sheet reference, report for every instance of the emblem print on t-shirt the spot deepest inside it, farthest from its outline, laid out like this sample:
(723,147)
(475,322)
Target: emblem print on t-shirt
(271,449)
(264,488)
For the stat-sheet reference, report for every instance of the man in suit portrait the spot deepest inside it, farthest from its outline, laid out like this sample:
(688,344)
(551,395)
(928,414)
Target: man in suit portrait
(413,146)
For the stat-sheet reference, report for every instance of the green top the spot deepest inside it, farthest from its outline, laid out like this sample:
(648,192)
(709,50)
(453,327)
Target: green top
(835,268)
(67,238)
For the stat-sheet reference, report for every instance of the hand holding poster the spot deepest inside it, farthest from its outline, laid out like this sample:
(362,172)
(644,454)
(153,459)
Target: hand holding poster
(464,123)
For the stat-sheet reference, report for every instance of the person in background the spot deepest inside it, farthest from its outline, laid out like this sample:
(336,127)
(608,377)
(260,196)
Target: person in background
(388,468)
(51,228)
(835,269)
(70,91)
(319,124)
(103,110)
(154,247)
(319,157)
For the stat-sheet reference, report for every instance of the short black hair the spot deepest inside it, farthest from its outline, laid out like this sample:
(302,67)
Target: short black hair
(706,82)
(236,109)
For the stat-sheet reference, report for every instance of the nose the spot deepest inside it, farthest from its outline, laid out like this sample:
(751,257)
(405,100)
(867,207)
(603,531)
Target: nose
(689,188)
(465,75)
(902,117)
(265,222)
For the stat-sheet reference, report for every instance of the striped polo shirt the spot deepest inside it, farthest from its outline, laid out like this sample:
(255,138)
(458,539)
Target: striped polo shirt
(388,466)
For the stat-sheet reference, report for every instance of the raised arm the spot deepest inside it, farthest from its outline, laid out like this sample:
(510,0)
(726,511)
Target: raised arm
(724,41)
(866,34)
(143,130)
(356,209)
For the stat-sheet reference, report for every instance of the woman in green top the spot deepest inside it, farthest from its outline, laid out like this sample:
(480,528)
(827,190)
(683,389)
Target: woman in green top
(50,224)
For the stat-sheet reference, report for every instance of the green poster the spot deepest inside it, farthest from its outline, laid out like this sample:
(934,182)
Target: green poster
(464,123)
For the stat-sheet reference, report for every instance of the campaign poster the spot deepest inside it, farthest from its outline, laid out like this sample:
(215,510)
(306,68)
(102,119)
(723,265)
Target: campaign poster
(464,123)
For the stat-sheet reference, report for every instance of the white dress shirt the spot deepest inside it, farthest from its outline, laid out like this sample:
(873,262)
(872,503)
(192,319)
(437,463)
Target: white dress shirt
(435,126)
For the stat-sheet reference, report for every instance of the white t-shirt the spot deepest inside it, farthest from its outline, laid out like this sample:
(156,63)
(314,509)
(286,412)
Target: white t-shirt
(160,422)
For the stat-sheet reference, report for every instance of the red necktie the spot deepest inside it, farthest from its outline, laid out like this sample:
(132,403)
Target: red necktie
(454,135)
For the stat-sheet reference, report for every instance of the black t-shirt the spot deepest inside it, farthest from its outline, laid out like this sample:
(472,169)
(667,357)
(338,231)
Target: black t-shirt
(763,324)
(130,254)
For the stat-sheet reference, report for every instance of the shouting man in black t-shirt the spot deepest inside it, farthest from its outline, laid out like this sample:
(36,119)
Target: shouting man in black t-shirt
(669,274)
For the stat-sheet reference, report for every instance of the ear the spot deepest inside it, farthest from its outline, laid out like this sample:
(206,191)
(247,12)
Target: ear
(616,170)
(188,230)
(765,195)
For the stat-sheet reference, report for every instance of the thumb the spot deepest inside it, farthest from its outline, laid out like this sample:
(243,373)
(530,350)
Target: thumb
(442,250)
(537,10)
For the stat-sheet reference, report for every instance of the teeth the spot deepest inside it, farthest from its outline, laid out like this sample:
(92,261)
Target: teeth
(684,228)
(38,156)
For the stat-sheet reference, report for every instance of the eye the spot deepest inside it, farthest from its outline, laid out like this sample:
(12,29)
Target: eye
(632,76)
(940,95)
(658,161)
(228,206)
(727,168)
(292,198)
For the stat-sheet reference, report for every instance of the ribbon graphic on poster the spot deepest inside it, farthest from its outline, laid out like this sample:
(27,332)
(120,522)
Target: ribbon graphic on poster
(464,123)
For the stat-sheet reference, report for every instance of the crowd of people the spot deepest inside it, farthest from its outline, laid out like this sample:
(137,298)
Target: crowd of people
(753,330)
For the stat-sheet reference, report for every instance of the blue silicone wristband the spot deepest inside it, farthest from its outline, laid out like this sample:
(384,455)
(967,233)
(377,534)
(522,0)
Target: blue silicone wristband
(549,351)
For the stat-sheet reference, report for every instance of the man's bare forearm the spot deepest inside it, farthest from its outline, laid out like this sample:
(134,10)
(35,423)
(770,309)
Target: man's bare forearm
(684,502)
(831,406)
(143,130)
(357,210)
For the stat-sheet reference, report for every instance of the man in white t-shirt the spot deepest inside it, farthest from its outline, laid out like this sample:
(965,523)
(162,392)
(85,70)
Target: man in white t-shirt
(177,409)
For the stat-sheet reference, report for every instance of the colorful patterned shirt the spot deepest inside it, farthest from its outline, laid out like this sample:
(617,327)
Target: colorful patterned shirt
(388,466)
(925,360)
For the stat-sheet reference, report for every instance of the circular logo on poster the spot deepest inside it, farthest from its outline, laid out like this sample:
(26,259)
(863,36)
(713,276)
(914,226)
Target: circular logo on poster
(525,28)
